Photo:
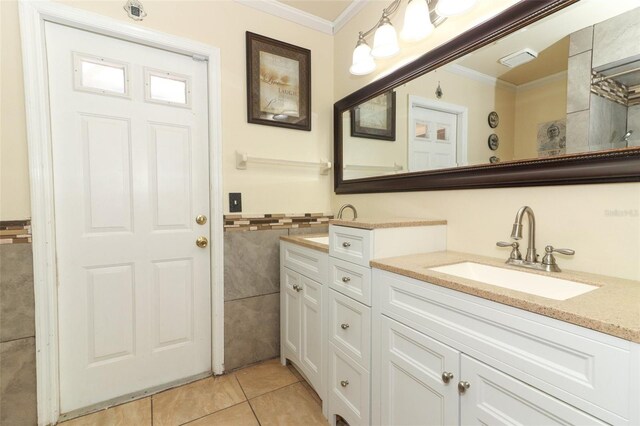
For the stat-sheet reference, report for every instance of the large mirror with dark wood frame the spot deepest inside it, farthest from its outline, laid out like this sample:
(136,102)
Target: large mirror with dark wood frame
(546,93)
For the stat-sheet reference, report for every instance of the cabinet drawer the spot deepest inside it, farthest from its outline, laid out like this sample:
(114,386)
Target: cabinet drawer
(350,327)
(589,370)
(348,388)
(308,262)
(350,244)
(352,280)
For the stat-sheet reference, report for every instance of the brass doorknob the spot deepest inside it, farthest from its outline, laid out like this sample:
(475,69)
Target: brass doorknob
(201,219)
(202,242)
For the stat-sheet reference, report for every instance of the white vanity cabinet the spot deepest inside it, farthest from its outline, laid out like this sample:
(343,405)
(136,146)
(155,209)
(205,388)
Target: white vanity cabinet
(349,308)
(303,277)
(520,368)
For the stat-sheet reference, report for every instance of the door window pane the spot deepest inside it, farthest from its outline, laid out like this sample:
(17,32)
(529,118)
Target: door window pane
(168,88)
(99,75)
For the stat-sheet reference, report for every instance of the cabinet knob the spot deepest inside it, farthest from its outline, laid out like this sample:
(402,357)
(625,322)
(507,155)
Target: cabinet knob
(346,279)
(346,244)
(446,377)
(463,386)
(344,326)
(296,287)
(344,383)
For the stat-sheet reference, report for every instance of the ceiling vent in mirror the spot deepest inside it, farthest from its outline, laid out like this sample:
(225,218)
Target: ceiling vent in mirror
(518,58)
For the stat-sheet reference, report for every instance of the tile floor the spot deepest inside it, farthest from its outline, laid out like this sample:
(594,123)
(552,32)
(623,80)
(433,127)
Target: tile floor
(260,395)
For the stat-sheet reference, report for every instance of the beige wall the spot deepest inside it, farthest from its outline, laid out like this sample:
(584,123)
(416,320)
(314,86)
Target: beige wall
(222,24)
(599,221)
(535,104)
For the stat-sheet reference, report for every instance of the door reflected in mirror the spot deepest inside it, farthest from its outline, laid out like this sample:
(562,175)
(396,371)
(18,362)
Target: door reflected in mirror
(567,84)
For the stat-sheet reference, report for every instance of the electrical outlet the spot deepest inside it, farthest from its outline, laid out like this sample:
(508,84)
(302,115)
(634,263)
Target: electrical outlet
(235,202)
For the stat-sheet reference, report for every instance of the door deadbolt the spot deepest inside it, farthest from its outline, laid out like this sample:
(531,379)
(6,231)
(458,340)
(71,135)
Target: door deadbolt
(202,242)
(201,219)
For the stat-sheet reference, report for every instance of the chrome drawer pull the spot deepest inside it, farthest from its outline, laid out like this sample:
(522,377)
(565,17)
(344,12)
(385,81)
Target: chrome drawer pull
(344,326)
(346,244)
(463,386)
(446,377)
(346,279)
(344,383)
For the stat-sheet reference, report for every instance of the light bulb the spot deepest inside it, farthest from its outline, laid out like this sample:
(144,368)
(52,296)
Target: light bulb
(385,40)
(448,8)
(417,23)
(362,62)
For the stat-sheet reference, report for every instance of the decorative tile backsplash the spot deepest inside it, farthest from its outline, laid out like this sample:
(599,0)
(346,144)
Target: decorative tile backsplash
(15,231)
(610,89)
(261,222)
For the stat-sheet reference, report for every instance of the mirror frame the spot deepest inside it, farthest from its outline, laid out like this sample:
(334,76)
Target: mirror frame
(621,165)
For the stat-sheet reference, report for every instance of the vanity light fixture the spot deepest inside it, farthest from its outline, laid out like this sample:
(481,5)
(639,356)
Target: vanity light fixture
(418,24)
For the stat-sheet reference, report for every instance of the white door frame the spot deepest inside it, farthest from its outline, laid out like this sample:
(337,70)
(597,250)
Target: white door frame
(33,15)
(462,129)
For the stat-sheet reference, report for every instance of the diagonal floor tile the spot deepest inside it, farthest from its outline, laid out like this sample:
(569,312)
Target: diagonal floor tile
(264,377)
(132,413)
(292,405)
(189,402)
(238,415)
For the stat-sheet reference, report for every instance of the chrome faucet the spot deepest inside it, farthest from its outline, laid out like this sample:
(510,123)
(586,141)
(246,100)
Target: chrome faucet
(348,206)
(516,232)
(531,259)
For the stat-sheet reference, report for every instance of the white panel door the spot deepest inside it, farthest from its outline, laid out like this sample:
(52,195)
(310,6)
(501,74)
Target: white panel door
(130,156)
(432,139)
(291,312)
(311,333)
(413,388)
(494,398)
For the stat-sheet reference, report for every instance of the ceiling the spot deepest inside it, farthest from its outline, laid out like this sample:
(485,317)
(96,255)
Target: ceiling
(548,37)
(325,9)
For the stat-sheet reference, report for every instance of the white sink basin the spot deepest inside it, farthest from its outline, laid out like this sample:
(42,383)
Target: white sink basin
(539,285)
(321,240)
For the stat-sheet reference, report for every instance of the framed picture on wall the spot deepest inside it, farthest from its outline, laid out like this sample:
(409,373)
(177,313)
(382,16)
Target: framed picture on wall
(375,118)
(278,83)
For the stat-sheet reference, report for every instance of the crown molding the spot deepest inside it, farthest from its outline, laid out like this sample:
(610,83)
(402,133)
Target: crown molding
(478,76)
(347,14)
(562,75)
(284,11)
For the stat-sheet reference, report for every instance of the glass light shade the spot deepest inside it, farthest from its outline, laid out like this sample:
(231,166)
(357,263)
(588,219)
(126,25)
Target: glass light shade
(417,23)
(362,62)
(448,8)
(385,41)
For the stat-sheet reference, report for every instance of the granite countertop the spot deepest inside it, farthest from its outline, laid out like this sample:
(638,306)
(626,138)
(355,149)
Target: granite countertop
(301,241)
(614,308)
(377,223)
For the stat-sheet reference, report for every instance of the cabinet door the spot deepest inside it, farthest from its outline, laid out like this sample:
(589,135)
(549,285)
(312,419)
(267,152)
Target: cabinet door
(291,312)
(413,391)
(494,398)
(311,344)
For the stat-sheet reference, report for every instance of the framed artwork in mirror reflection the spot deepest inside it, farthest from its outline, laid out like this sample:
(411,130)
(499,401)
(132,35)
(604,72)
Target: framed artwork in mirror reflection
(375,118)
(278,83)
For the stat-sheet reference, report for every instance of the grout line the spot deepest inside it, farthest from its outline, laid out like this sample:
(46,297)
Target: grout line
(210,414)
(247,400)
(250,297)
(16,339)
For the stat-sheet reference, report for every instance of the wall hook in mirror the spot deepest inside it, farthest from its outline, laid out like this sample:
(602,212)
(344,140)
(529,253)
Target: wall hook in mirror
(439,92)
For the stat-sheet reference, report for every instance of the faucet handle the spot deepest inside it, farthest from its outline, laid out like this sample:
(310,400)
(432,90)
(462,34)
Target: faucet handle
(551,249)
(515,252)
(549,258)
